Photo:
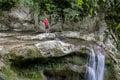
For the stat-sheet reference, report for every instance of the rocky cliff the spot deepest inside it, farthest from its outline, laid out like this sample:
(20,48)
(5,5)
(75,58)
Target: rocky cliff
(59,55)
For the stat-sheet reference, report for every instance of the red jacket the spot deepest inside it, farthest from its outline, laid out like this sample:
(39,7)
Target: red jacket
(46,22)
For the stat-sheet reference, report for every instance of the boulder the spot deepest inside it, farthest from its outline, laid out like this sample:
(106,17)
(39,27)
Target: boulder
(22,52)
(54,47)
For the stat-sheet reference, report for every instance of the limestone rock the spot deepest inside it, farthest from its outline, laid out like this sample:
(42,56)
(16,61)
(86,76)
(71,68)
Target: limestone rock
(1,64)
(37,37)
(75,34)
(55,47)
(23,52)
(8,34)
(2,76)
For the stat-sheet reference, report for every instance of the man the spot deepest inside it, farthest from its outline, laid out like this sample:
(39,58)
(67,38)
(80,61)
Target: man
(46,23)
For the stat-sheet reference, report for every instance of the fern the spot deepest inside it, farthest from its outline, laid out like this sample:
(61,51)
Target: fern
(118,27)
(104,0)
(80,2)
(48,6)
(91,11)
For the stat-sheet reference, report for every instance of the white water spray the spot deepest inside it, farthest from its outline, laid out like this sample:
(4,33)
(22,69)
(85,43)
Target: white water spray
(91,67)
(95,66)
(100,66)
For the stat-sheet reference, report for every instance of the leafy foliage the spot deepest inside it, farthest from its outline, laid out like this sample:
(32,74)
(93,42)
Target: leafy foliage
(118,27)
(112,11)
(6,5)
(66,9)
(104,0)
(80,2)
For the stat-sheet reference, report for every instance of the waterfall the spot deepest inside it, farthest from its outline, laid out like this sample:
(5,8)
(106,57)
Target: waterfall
(91,66)
(100,66)
(95,66)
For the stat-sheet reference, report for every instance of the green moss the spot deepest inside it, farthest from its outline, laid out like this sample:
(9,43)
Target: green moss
(30,68)
(15,51)
(118,56)
(64,75)
(8,57)
(9,74)
(108,61)
(32,75)
(118,27)
(78,60)
(20,53)
(84,50)
(109,73)
(58,52)
(33,52)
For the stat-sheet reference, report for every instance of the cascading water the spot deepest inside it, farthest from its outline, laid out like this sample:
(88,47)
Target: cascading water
(100,66)
(91,66)
(95,66)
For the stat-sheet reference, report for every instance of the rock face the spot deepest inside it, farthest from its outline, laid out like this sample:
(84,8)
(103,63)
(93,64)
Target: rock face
(93,28)
(18,19)
(21,19)
(46,54)
(55,47)
(60,51)
(37,45)
(37,37)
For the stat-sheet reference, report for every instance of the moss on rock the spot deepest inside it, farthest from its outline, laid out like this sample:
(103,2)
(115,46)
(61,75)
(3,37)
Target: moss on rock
(22,53)
(109,72)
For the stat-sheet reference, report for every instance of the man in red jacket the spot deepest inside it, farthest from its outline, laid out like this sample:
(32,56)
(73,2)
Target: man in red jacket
(46,23)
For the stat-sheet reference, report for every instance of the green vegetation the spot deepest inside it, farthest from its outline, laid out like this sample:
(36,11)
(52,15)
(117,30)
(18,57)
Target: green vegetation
(64,75)
(73,9)
(79,61)
(112,11)
(9,74)
(33,68)
(6,5)
(110,72)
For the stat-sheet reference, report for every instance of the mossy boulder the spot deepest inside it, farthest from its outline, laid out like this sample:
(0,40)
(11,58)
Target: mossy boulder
(22,52)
